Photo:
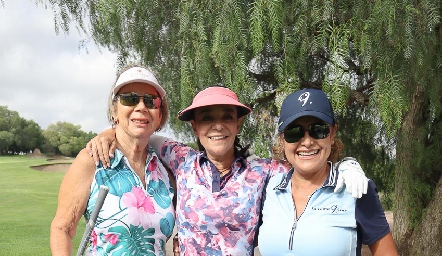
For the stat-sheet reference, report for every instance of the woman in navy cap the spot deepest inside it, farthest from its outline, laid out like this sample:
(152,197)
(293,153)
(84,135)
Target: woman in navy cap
(301,214)
(219,189)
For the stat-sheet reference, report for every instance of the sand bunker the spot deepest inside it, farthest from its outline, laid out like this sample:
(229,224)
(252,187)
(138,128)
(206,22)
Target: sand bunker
(60,167)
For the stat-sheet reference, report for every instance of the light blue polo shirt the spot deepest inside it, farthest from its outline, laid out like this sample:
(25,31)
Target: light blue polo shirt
(332,224)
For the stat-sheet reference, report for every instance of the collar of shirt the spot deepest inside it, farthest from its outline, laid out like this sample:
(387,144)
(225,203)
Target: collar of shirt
(118,157)
(238,166)
(330,181)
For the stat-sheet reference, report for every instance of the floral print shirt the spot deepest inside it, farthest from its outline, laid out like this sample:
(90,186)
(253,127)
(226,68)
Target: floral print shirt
(133,220)
(211,222)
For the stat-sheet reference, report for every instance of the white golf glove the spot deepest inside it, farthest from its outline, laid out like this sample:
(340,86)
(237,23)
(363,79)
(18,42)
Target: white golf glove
(352,175)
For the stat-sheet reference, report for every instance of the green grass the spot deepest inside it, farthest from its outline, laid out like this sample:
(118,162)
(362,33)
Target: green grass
(28,203)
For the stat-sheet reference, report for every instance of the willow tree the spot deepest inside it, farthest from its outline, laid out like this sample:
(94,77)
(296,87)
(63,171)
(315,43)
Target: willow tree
(379,61)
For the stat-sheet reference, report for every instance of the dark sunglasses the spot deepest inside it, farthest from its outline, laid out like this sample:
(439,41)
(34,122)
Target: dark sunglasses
(132,99)
(316,131)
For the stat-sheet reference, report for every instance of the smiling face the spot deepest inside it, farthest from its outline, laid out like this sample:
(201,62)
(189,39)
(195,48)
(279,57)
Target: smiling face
(216,127)
(136,121)
(309,155)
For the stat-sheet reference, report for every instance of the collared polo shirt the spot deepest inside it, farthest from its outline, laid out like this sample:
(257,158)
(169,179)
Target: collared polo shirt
(212,220)
(331,223)
(135,219)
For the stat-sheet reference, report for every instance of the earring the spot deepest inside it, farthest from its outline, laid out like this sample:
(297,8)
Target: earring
(114,122)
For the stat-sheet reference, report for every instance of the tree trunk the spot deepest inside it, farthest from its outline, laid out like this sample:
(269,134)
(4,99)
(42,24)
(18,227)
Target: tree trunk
(407,136)
(424,237)
(427,238)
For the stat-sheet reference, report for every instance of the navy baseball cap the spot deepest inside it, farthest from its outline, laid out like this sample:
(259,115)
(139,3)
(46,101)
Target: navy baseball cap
(305,102)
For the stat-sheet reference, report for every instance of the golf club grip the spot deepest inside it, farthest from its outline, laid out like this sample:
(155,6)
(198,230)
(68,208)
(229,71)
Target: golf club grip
(102,193)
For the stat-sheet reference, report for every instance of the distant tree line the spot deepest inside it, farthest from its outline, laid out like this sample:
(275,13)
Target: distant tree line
(20,135)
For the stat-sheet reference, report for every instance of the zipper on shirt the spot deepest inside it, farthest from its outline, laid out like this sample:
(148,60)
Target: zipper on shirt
(293,233)
(295,224)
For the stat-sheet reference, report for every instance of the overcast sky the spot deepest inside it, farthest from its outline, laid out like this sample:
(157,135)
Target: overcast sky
(46,77)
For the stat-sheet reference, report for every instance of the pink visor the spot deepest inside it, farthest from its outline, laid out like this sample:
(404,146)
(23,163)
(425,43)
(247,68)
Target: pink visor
(210,96)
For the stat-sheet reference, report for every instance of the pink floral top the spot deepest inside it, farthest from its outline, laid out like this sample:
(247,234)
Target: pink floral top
(133,220)
(216,223)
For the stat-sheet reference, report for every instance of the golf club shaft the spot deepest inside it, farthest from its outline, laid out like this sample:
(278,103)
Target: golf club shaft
(91,223)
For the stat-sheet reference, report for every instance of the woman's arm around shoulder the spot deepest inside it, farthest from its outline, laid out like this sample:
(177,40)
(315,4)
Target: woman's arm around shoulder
(102,147)
(72,201)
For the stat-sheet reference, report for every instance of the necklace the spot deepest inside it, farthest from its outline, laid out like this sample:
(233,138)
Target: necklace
(224,171)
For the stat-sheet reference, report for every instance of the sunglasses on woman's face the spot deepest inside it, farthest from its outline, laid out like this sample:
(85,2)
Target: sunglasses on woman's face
(297,132)
(132,99)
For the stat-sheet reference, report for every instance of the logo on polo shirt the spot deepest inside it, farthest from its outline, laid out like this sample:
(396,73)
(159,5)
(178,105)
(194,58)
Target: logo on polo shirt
(332,209)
